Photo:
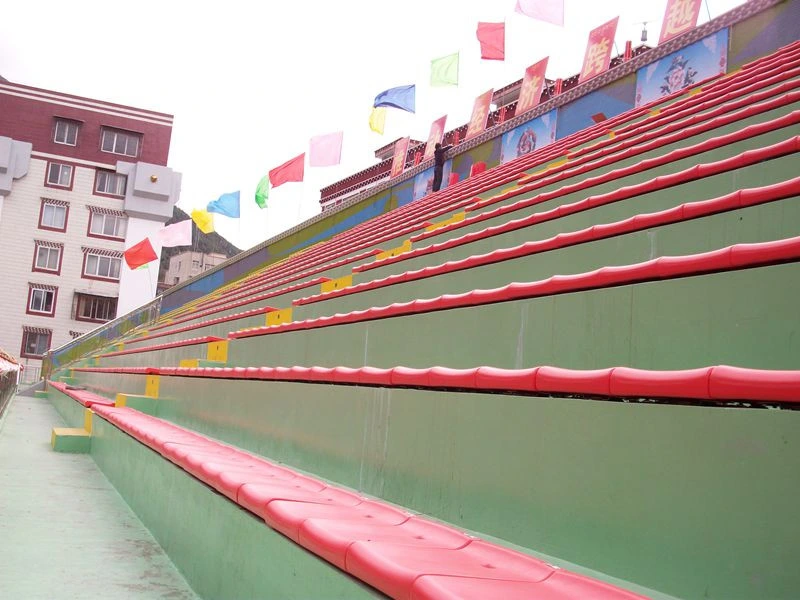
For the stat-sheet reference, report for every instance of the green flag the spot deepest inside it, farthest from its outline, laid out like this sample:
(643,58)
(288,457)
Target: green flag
(444,70)
(262,192)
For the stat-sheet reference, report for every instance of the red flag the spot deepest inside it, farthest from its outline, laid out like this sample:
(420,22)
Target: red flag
(480,112)
(435,137)
(598,50)
(399,158)
(492,37)
(140,254)
(680,17)
(291,170)
(532,84)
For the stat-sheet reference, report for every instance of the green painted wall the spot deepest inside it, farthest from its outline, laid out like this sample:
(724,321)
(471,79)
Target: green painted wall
(222,550)
(682,499)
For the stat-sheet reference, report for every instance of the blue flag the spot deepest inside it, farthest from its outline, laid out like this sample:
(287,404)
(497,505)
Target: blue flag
(402,97)
(227,204)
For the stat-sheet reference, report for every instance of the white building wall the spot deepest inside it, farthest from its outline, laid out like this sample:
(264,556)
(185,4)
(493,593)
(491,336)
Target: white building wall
(138,287)
(19,228)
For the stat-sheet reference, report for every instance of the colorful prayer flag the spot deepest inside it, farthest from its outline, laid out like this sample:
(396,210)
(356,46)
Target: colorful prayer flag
(402,97)
(226,204)
(480,112)
(377,119)
(177,234)
(598,50)
(444,70)
(140,254)
(262,192)
(291,170)
(203,220)
(532,84)
(435,137)
(492,37)
(549,11)
(680,17)
(325,150)
(399,158)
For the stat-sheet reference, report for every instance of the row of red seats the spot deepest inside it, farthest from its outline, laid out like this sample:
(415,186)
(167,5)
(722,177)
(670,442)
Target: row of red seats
(682,212)
(738,256)
(401,554)
(718,383)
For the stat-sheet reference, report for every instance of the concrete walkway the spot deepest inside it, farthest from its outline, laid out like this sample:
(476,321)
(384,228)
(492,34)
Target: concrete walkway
(64,530)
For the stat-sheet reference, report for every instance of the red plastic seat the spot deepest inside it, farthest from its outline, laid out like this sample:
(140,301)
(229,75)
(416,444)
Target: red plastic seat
(287,517)
(256,496)
(330,539)
(561,585)
(393,568)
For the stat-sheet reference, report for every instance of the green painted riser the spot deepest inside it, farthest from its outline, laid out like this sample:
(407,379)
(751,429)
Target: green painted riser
(217,330)
(744,318)
(73,444)
(222,550)
(767,173)
(156,357)
(762,223)
(652,494)
(71,411)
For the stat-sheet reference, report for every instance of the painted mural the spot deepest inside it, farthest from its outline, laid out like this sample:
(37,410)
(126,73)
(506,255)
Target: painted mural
(607,102)
(682,69)
(529,136)
(423,182)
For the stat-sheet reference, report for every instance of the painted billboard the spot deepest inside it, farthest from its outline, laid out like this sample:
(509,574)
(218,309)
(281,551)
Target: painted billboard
(684,68)
(529,136)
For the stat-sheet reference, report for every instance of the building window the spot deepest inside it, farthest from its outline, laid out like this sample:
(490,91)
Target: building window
(66,133)
(47,258)
(35,342)
(53,215)
(95,308)
(42,300)
(59,174)
(104,267)
(110,183)
(107,225)
(120,142)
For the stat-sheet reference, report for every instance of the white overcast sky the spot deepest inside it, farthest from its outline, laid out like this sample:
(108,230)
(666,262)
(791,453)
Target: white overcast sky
(250,82)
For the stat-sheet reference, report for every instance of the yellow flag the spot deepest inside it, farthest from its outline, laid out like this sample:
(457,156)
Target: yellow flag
(204,220)
(377,119)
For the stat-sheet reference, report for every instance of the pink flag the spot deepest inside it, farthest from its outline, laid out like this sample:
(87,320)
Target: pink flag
(550,11)
(492,37)
(177,234)
(325,150)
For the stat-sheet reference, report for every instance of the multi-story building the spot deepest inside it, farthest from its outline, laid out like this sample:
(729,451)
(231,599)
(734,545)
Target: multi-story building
(81,180)
(187,264)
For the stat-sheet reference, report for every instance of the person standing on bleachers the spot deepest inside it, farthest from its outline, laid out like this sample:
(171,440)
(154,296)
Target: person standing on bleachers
(438,165)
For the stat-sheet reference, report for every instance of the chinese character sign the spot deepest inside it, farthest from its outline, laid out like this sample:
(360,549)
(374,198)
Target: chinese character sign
(480,112)
(399,158)
(435,137)
(598,50)
(532,84)
(680,17)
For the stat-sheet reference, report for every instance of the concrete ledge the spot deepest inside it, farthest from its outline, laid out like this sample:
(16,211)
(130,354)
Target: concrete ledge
(71,440)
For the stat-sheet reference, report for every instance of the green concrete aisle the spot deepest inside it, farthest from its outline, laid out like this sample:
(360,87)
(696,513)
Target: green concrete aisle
(64,530)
